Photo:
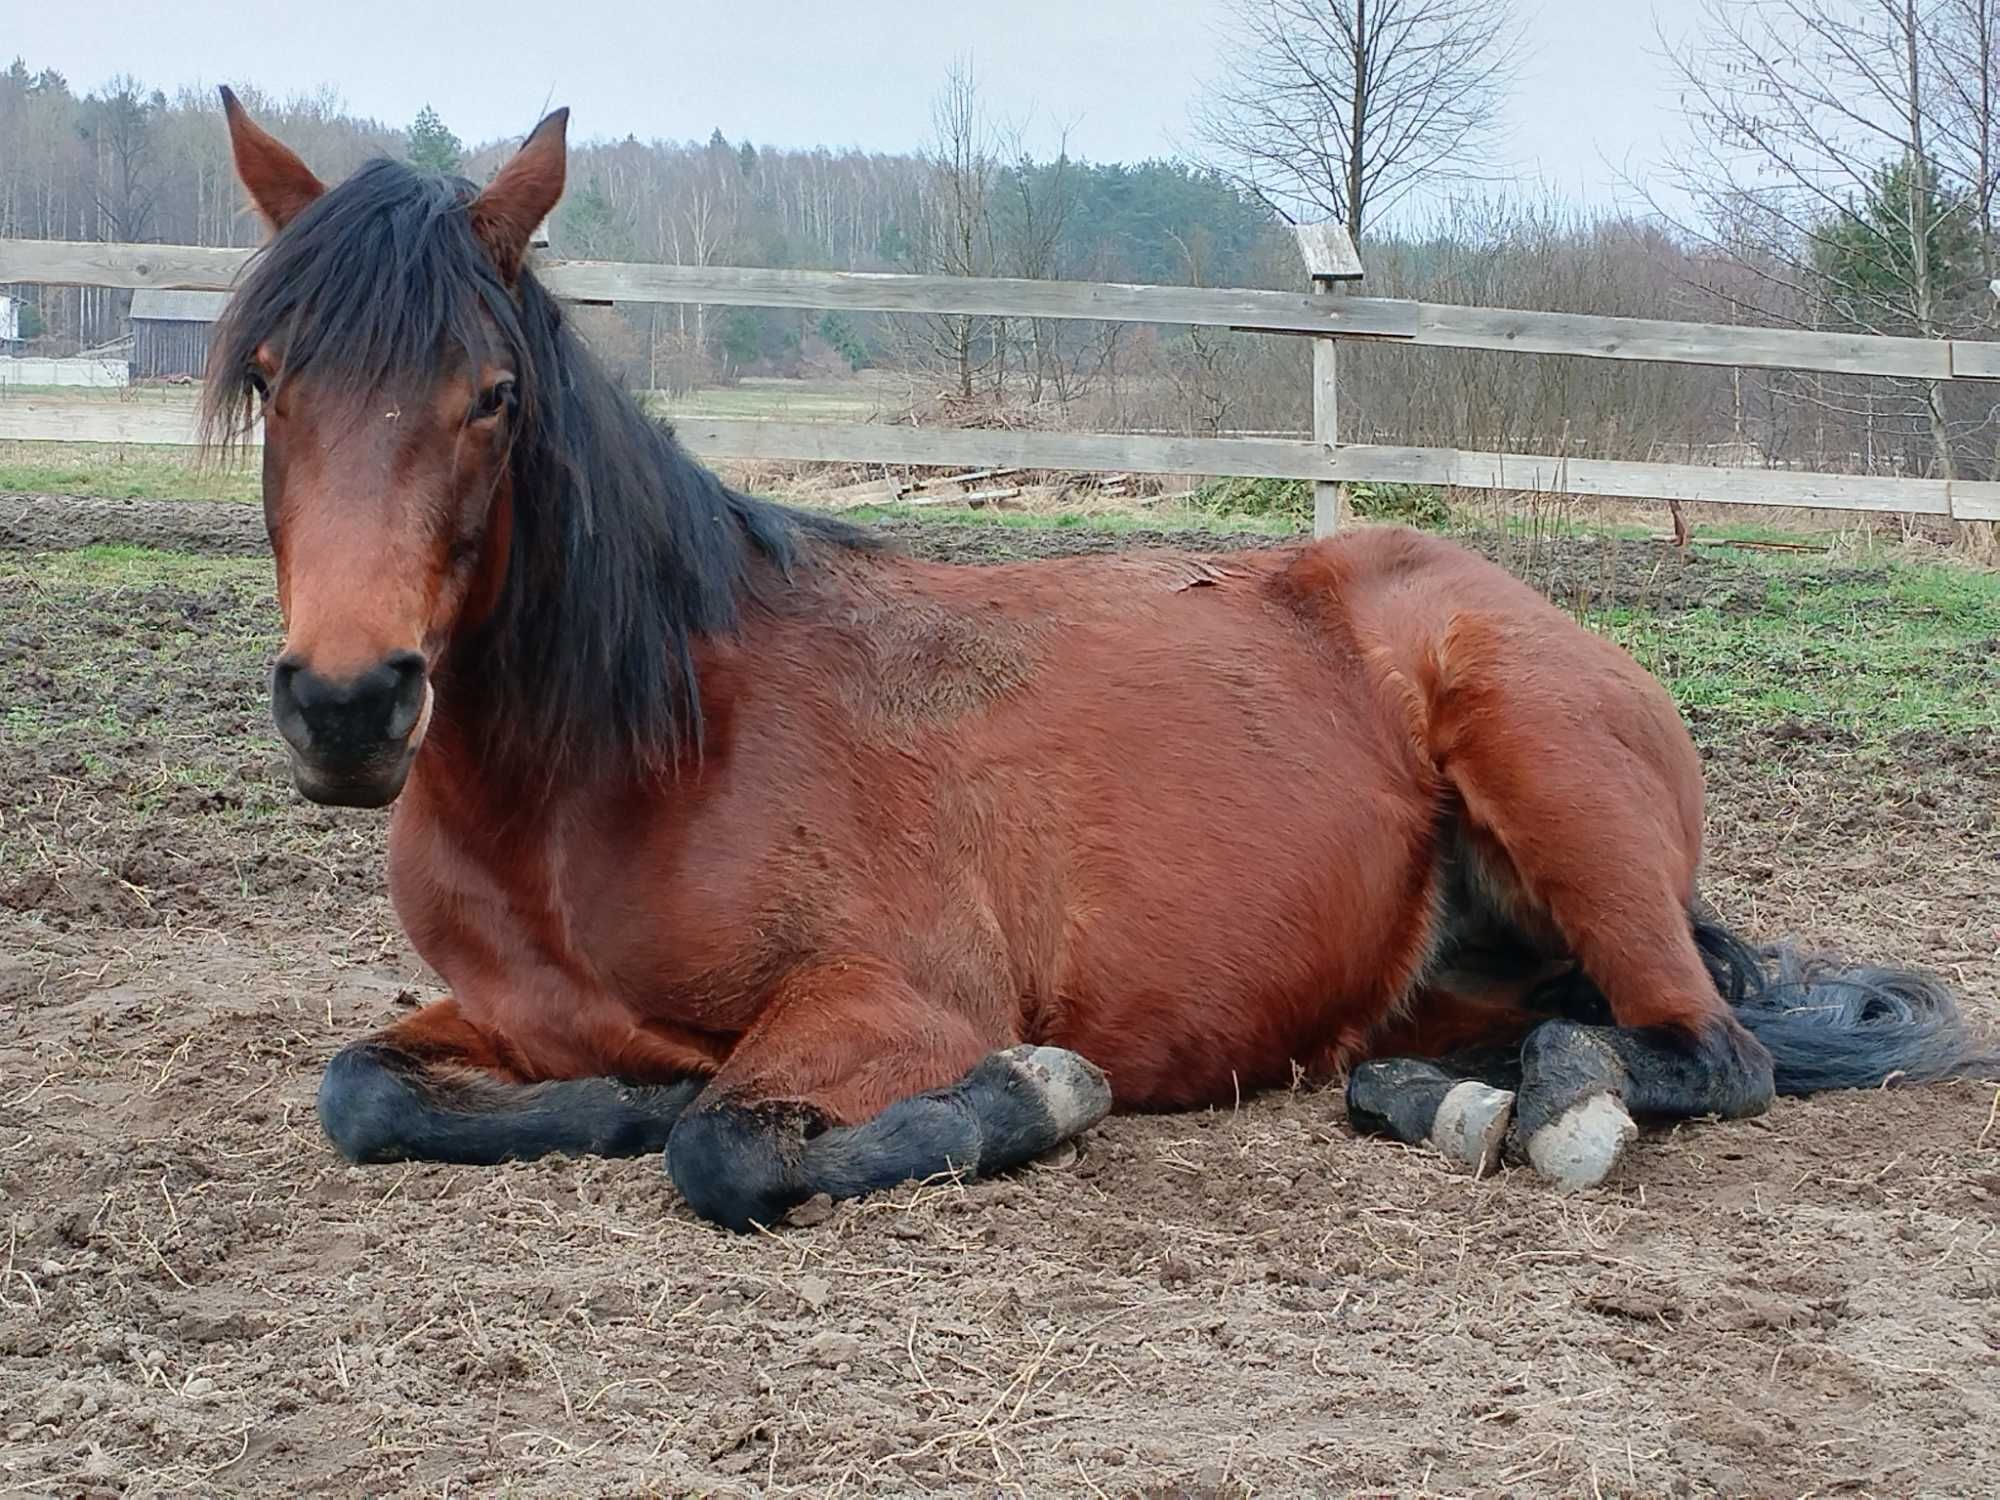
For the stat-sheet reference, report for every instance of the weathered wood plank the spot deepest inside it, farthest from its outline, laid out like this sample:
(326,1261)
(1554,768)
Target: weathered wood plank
(1432,324)
(1609,479)
(1425,323)
(43,419)
(1327,495)
(191,268)
(843,442)
(1975,500)
(1328,251)
(53,420)
(1975,359)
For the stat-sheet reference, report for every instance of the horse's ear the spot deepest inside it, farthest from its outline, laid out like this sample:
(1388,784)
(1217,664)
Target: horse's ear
(522,194)
(279,183)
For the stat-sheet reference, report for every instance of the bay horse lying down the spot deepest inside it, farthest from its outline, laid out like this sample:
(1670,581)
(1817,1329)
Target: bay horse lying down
(739,837)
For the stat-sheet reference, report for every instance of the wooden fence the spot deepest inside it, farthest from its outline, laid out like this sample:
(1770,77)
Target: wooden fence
(1323,313)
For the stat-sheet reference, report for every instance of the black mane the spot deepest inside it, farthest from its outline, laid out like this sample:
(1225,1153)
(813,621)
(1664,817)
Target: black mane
(625,550)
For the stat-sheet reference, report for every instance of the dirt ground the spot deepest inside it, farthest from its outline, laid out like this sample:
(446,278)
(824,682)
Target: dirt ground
(197,1297)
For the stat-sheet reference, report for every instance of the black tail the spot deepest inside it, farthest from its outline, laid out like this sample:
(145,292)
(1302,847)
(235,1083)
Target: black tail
(1829,1026)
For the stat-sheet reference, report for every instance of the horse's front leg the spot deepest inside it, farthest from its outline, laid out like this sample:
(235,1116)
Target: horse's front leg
(852,1082)
(438,1087)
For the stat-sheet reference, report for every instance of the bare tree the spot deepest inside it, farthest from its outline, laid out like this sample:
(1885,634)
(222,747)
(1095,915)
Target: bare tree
(1964,42)
(1838,149)
(1342,108)
(1035,203)
(954,226)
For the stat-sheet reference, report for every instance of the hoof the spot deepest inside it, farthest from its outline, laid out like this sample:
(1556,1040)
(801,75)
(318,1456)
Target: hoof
(1580,1146)
(1075,1090)
(1471,1126)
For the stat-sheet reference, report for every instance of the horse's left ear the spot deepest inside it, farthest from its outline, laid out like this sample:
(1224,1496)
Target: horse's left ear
(522,194)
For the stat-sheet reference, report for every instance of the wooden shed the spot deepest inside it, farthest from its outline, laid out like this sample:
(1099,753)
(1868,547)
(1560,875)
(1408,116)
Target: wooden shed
(170,332)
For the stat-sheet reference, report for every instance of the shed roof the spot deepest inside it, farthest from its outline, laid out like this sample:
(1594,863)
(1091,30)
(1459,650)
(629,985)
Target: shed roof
(178,307)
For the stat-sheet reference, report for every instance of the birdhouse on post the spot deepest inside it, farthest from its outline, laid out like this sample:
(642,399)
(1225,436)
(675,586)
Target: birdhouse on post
(1331,263)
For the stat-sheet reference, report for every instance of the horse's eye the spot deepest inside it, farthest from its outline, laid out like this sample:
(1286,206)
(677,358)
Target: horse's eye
(496,398)
(258,383)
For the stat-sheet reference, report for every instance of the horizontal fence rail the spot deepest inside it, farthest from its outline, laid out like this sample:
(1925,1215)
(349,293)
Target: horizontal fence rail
(1429,324)
(749,439)
(1329,318)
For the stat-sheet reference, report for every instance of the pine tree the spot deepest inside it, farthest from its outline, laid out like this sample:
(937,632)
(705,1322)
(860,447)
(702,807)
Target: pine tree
(433,148)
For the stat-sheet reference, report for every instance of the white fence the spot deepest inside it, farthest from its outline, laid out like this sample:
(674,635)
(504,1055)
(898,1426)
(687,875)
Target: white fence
(92,373)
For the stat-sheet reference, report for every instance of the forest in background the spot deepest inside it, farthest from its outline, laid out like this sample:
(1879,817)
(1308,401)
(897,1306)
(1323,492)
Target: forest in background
(126,161)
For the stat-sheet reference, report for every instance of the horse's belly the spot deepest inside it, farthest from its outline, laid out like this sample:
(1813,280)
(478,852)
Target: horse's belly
(1234,974)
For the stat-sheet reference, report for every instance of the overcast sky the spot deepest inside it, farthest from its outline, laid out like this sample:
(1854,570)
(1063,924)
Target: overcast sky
(1592,102)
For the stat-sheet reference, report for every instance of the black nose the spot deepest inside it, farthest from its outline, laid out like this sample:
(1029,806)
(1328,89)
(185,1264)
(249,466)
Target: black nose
(339,722)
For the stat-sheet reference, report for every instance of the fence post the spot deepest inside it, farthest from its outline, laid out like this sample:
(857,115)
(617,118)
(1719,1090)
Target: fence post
(1331,259)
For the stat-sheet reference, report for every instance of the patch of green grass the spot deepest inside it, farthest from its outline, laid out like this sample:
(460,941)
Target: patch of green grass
(1750,531)
(1116,522)
(111,564)
(1875,650)
(125,472)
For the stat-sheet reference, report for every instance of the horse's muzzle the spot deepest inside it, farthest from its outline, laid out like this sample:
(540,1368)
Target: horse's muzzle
(352,741)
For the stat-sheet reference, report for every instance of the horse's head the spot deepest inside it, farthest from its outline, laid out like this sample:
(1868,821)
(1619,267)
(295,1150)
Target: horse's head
(381,335)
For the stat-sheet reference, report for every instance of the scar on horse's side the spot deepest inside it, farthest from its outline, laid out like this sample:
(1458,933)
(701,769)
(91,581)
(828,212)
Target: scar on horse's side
(737,837)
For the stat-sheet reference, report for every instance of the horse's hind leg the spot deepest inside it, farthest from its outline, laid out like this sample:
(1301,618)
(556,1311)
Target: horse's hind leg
(852,1083)
(436,1087)
(1598,831)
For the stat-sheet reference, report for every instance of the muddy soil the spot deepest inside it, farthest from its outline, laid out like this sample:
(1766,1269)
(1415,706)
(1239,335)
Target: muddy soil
(196,1297)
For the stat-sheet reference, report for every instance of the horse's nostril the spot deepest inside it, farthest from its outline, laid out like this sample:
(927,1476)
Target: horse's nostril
(407,700)
(285,708)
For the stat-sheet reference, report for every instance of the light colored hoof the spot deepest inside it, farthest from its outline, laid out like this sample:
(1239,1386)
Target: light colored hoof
(1579,1148)
(1076,1090)
(1471,1126)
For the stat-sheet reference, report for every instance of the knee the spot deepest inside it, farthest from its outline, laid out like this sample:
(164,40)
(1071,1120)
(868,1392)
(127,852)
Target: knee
(366,1105)
(734,1167)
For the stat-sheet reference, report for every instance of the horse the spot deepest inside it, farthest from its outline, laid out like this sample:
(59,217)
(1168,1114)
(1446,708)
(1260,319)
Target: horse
(740,836)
